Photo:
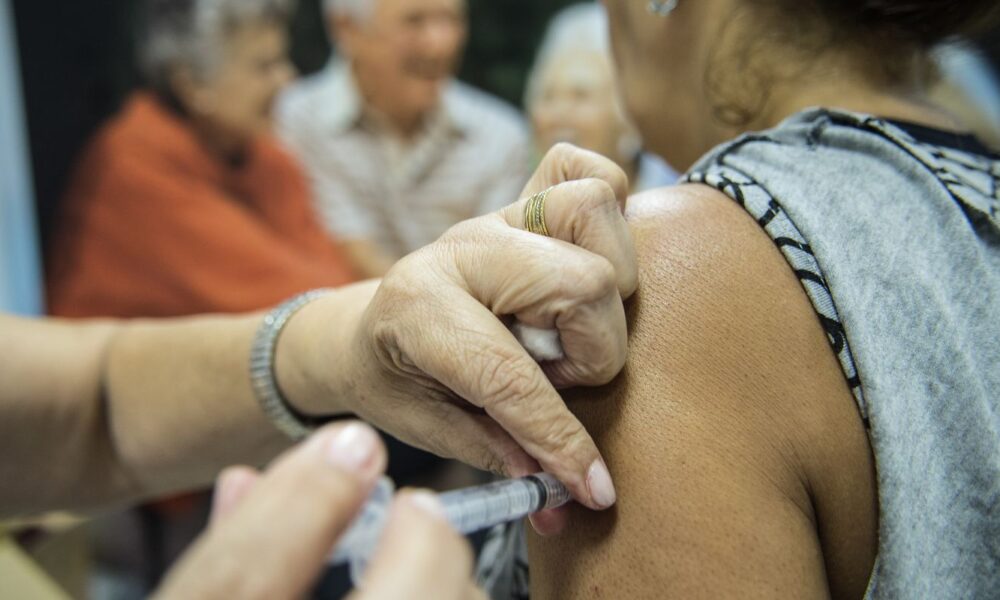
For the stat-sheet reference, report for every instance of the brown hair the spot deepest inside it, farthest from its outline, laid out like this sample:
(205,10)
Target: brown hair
(892,40)
(919,23)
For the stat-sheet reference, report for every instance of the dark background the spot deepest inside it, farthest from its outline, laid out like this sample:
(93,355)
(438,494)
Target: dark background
(77,66)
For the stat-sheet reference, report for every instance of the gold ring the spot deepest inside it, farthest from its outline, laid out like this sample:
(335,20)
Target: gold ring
(534,214)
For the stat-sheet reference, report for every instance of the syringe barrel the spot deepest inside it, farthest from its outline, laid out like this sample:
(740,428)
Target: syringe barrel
(468,510)
(482,507)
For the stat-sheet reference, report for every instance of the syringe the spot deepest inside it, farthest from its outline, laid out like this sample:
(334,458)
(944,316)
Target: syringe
(468,510)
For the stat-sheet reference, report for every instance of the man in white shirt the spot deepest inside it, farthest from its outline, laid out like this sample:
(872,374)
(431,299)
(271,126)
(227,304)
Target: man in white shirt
(397,150)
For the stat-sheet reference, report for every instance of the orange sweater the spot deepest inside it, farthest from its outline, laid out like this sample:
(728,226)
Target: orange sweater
(155,226)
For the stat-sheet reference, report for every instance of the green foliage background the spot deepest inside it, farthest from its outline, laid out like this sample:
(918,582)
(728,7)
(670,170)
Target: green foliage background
(504,35)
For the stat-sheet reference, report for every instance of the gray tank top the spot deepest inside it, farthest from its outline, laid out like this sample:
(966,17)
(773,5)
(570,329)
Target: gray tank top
(894,232)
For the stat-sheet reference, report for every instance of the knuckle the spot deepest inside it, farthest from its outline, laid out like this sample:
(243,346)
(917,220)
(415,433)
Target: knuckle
(563,150)
(597,280)
(507,379)
(597,197)
(561,433)
(462,232)
(488,460)
(396,291)
(605,371)
(597,370)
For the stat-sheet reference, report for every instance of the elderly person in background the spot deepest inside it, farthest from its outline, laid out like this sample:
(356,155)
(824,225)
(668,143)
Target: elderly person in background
(572,97)
(183,203)
(398,150)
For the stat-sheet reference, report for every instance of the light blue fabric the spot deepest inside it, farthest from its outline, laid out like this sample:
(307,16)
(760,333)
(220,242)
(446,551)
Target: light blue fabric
(969,71)
(897,242)
(20,268)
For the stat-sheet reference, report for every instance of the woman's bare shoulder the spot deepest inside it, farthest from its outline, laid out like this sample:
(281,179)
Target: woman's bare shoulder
(741,463)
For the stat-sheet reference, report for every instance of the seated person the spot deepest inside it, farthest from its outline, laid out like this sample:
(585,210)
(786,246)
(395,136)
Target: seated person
(572,97)
(810,406)
(184,203)
(397,150)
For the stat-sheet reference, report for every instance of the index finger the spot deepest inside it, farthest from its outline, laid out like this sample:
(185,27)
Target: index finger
(585,212)
(566,162)
(276,541)
(498,375)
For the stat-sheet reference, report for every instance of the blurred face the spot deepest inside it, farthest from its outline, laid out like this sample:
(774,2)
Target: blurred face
(236,100)
(576,104)
(405,53)
(661,66)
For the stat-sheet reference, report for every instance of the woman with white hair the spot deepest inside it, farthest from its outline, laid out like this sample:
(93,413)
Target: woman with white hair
(183,203)
(572,97)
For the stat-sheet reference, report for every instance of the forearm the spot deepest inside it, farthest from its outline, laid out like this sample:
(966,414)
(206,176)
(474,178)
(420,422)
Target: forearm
(52,422)
(179,405)
(102,413)
(180,398)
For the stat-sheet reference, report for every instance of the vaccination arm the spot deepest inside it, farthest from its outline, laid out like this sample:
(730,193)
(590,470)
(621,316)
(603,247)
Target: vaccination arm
(741,461)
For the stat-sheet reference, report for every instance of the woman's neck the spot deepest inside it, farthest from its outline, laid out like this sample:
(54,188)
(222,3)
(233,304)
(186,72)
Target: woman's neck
(855,98)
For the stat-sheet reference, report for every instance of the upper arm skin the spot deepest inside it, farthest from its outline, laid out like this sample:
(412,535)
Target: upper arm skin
(740,460)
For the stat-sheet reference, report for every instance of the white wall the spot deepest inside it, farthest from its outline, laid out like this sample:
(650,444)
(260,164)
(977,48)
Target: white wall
(20,272)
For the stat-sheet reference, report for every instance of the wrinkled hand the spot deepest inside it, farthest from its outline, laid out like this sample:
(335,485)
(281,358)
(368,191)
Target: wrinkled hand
(271,533)
(436,365)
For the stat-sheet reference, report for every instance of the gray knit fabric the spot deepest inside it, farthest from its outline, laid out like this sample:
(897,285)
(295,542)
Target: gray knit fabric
(897,243)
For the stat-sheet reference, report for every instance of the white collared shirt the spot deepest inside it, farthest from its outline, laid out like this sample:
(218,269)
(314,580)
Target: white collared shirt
(471,157)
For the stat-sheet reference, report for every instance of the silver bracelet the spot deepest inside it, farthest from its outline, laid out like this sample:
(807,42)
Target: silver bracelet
(262,377)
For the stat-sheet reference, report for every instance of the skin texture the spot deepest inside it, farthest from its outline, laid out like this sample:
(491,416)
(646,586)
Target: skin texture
(403,55)
(233,104)
(742,463)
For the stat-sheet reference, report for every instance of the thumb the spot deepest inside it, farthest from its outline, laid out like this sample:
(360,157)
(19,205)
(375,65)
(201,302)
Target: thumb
(277,539)
(233,485)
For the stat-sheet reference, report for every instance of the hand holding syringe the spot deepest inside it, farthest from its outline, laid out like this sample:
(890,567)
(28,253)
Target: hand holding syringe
(468,510)
(471,509)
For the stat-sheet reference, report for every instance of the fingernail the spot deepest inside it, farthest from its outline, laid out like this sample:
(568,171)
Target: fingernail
(428,503)
(224,496)
(602,491)
(353,448)
(227,488)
